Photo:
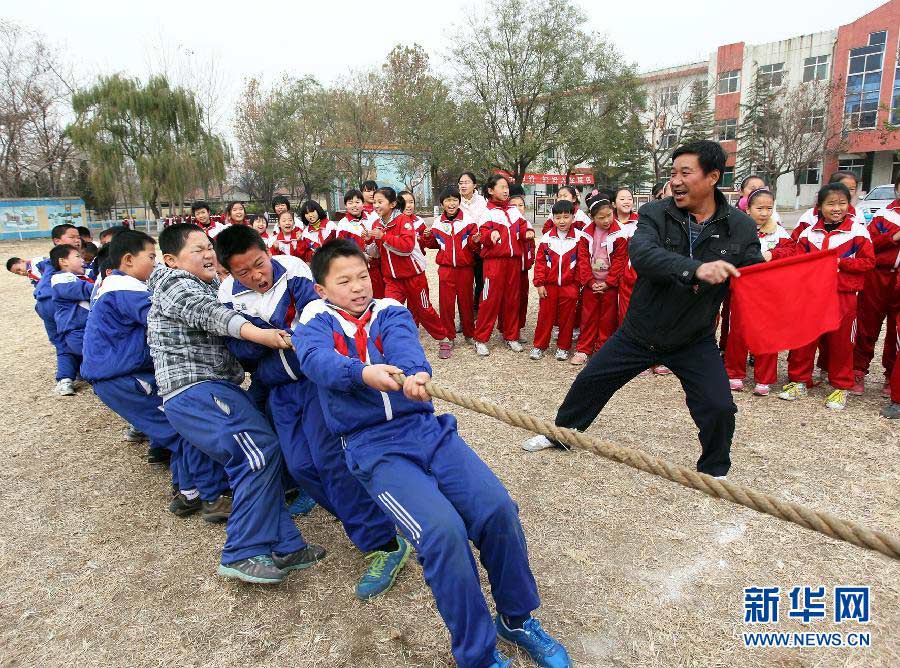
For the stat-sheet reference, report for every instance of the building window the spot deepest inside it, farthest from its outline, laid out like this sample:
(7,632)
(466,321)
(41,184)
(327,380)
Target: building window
(727,180)
(815,68)
(854,165)
(668,139)
(895,105)
(729,82)
(878,37)
(864,84)
(668,96)
(811,174)
(814,122)
(770,76)
(726,129)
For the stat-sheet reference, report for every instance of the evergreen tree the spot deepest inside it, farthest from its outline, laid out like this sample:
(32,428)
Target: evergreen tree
(758,132)
(698,118)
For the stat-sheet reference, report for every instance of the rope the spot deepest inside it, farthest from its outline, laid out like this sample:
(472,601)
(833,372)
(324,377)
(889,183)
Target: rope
(815,520)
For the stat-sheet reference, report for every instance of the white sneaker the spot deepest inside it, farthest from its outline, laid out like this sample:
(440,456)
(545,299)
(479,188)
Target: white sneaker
(736,384)
(482,349)
(537,443)
(793,391)
(536,353)
(65,388)
(561,354)
(515,346)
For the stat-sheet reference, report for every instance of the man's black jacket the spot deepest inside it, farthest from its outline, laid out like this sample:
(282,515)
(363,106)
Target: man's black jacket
(670,308)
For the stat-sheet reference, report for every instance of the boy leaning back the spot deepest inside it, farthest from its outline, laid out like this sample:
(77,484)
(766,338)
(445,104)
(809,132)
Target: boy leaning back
(415,465)
(199,381)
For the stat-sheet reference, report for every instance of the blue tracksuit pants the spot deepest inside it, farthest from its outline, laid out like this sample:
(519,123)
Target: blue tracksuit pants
(442,496)
(67,363)
(315,460)
(219,419)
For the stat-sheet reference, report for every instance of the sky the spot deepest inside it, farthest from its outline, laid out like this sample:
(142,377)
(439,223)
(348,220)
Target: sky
(330,39)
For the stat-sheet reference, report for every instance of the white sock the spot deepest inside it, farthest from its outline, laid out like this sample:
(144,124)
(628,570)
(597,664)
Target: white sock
(189,494)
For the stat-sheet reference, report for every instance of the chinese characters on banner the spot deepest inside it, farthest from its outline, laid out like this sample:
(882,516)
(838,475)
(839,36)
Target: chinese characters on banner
(531,178)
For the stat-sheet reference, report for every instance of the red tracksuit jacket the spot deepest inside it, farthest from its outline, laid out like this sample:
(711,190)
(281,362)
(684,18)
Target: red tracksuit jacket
(400,254)
(854,250)
(616,248)
(777,240)
(581,221)
(508,221)
(312,240)
(287,244)
(556,261)
(454,242)
(882,229)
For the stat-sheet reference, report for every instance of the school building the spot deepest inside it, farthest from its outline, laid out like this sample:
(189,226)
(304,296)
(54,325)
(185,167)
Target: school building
(860,59)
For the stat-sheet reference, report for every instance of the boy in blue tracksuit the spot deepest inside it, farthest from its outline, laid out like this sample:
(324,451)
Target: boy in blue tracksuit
(271,292)
(199,381)
(66,362)
(117,363)
(71,291)
(415,464)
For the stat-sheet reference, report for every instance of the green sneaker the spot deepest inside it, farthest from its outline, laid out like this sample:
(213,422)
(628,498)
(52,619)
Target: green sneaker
(260,569)
(384,567)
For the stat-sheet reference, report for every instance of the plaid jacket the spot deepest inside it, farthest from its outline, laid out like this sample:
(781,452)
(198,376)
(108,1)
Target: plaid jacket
(185,327)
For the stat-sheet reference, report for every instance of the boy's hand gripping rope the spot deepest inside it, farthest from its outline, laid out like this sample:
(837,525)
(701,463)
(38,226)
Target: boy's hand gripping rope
(816,520)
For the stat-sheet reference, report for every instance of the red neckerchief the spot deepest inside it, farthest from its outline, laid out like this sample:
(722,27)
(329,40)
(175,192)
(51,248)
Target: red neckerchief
(82,277)
(361,337)
(503,206)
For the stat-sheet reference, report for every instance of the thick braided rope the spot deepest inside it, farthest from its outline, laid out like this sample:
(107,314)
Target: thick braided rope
(824,523)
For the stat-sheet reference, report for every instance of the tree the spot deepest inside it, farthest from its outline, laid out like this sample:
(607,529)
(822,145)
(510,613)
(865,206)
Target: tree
(664,120)
(153,128)
(698,117)
(361,125)
(257,138)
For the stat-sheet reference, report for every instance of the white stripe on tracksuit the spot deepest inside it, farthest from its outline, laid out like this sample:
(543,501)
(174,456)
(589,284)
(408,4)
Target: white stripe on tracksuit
(248,446)
(402,515)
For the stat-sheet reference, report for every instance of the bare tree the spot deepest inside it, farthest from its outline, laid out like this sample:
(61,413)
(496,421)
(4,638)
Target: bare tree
(664,118)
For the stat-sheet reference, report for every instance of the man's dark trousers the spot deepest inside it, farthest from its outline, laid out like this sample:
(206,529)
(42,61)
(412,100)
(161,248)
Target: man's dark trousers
(697,365)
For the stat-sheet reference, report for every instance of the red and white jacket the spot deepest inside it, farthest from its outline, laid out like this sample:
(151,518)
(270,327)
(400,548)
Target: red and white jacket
(287,244)
(882,229)
(775,239)
(400,254)
(855,252)
(419,226)
(581,220)
(454,240)
(214,228)
(312,240)
(355,228)
(810,216)
(556,262)
(616,247)
(506,219)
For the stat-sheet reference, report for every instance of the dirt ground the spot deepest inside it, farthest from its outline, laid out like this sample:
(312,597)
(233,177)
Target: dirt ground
(633,570)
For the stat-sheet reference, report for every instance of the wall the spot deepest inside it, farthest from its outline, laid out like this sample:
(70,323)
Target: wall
(29,218)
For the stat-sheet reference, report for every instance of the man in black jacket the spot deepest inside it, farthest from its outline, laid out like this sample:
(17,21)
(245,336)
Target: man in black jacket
(685,249)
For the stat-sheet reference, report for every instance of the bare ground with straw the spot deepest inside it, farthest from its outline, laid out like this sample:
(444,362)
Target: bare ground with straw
(633,570)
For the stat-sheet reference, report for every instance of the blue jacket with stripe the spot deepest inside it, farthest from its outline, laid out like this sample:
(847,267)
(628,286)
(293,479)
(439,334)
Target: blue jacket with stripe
(71,301)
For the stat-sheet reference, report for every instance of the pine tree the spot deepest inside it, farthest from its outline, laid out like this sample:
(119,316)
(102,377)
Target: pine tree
(698,118)
(760,124)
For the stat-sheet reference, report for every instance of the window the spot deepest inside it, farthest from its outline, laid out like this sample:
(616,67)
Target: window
(729,82)
(811,174)
(770,76)
(815,68)
(668,96)
(814,122)
(895,105)
(727,180)
(854,165)
(878,37)
(668,139)
(726,129)
(864,84)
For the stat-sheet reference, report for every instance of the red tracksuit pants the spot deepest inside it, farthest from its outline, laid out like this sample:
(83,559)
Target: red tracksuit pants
(455,284)
(377,278)
(557,306)
(626,287)
(413,291)
(895,374)
(499,299)
(599,318)
(879,301)
(839,345)
(765,367)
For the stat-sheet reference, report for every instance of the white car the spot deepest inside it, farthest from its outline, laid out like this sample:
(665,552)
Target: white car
(877,198)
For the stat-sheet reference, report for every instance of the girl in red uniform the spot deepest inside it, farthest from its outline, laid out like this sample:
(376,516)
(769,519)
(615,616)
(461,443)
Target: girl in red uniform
(317,228)
(287,241)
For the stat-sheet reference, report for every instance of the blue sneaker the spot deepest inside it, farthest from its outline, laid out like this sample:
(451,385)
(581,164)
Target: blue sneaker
(543,649)
(500,661)
(384,567)
(302,505)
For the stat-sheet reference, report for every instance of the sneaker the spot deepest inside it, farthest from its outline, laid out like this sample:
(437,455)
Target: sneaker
(384,567)
(260,569)
(661,370)
(515,346)
(301,559)
(182,506)
(886,388)
(543,649)
(536,354)
(578,359)
(481,349)
(793,391)
(500,661)
(645,373)
(891,411)
(302,505)
(837,400)
(761,390)
(159,456)
(537,443)
(859,384)
(133,435)
(65,388)
(561,354)
(216,512)
(736,384)
(445,349)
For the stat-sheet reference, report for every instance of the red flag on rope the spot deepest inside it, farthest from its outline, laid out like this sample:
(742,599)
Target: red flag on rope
(787,303)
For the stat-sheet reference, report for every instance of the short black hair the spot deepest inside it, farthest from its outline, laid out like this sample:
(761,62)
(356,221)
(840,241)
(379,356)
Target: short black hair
(657,188)
(369,185)
(312,205)
(102,262)
(281,199)
(448,192)
(350,194)
(173,238)
(60,252)
(515,190)
(842,174)
(89,247)
(130,242)
(84,231)
(828,188)
(12,262)
(710,154)
(563,206)
(200,204)
(59,230)
(111,232)
(321,261)
(235,240)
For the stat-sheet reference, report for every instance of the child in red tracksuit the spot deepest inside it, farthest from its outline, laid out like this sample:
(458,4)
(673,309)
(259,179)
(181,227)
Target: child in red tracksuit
(317,229)
(287,241)
(503,235)
(456,238)
(403,265)
(418,224)
(603,253)
(834,230)
(556,273)
(356,225)
(776,243)
(517,199)
(580,219)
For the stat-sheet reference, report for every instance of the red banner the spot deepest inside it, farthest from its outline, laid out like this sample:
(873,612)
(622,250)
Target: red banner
(532,178)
